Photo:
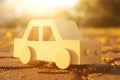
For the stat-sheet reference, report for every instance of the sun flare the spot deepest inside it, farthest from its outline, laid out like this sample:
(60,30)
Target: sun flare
(46,6)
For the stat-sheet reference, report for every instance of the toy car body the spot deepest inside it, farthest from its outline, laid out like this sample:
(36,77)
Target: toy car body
(57,41)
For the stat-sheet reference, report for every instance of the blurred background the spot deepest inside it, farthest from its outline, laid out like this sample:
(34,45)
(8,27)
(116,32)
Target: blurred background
(86,13)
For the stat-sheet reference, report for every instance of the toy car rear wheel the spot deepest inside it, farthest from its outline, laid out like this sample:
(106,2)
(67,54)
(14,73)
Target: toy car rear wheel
(62,59)
(25,55)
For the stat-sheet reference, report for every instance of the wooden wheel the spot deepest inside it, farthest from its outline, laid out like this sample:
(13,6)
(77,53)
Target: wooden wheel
(25,55)
(63,59)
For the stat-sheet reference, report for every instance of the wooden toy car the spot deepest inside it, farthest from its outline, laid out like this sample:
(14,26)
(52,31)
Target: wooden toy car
(57,41)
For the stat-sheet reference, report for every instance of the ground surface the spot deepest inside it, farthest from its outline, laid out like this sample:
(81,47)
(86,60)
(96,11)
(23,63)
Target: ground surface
(109,69)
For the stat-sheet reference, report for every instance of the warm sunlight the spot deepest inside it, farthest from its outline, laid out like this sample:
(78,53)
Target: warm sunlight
(46,6)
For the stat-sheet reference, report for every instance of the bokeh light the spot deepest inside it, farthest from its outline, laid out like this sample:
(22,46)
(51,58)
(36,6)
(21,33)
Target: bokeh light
(42,7)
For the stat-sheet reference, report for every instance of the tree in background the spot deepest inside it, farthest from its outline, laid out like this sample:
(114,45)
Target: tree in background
(99,12)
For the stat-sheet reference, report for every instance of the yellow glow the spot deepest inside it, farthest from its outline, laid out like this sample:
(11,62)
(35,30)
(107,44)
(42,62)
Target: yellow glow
(46,6)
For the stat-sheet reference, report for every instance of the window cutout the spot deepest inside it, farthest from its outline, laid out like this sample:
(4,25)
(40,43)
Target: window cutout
(34,34)
(47,34)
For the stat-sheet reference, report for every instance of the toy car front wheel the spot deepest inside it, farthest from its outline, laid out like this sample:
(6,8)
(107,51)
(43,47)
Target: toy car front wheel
(63,59)
(25,55)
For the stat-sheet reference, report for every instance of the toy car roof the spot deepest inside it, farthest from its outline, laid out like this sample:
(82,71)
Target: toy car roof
(67,29)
